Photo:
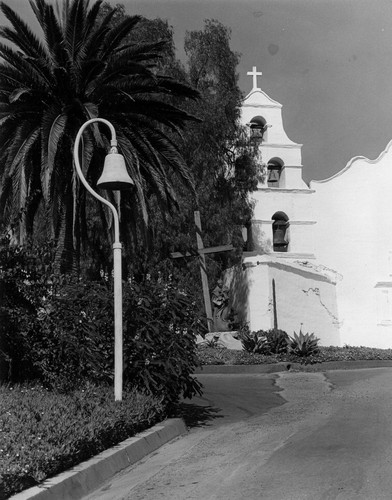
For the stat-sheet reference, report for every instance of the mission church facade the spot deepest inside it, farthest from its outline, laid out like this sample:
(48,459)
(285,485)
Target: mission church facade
(319,255)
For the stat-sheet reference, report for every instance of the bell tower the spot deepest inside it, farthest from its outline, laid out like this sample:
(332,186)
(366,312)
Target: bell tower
(282,156)
(281,284)
(282,223)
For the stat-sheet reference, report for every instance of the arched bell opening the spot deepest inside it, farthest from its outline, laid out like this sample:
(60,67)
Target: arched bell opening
(274,171)
(280,232)
(258,129)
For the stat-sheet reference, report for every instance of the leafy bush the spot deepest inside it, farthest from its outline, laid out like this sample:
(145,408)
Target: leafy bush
(59,329)
(272,341)
(223,356)
(52,325)
(304,345)
(22,288)
(44,433)
(73,337)
(277,341)
(160,347)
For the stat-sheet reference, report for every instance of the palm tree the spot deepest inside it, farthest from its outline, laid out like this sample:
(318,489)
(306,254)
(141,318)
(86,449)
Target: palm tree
(83,67)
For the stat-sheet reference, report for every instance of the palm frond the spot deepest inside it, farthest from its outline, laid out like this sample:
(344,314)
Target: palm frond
(34,74)
(174,87)
(140,50)
(117,34)
(55,135)
(74,28)
(23,145)
(84,68)
(53,36)
(22,36)
(95,37)
(121,68)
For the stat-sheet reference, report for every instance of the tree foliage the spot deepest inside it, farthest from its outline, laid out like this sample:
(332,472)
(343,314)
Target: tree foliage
(100,62)
(217,150)
(86,64)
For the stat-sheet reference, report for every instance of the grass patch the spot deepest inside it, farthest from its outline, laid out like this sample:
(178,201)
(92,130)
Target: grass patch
(43,433)
(223,356)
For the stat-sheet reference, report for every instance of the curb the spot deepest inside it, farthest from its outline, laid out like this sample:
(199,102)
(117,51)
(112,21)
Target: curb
(288,366)
(86,477)
(233,369)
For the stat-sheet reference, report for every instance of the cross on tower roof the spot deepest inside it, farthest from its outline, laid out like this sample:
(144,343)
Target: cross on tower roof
(255,74)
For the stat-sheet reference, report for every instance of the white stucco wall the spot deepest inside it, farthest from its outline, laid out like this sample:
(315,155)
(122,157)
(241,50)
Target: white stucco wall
(354,236)
(342,224)
(297,205)
(305,298)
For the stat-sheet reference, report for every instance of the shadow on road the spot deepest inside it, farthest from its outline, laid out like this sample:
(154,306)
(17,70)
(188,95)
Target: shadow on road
(197,415)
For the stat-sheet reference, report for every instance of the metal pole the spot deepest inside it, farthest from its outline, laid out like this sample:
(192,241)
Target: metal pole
(117,268)
(118,329)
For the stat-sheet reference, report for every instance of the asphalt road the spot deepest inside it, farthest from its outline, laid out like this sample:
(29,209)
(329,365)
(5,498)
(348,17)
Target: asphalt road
(286,436)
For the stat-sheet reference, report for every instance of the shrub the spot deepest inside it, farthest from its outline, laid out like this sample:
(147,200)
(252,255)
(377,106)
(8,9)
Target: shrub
(161,324)
(59,330)
(304,345)
(22,287)
(277,341)
(73,337)
(273,341)
(44,433)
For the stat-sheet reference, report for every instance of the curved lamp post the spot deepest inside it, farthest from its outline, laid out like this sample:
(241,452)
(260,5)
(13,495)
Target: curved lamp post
(114,177)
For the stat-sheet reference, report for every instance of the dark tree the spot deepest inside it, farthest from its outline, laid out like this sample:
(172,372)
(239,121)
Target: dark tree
(85,65)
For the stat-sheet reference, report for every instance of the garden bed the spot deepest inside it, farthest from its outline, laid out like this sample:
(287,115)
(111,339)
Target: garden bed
(223,356)
(44,433)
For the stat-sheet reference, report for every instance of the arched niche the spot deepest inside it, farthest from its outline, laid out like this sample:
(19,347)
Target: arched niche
(274,171)
(258,128)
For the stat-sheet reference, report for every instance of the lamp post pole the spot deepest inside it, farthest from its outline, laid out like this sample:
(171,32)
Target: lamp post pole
(117,271)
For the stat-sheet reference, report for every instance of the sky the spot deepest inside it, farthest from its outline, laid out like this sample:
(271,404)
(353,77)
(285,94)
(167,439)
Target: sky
(328,62)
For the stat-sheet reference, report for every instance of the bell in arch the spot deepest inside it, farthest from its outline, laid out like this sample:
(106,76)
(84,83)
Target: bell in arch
(273,175)
(280,240)
(114,174)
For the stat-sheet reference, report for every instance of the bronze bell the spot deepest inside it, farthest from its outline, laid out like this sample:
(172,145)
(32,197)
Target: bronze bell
(273,175)
(279,238)
(256,132)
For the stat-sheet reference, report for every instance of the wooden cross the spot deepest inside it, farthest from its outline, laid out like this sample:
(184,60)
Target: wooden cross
(255,74)
(201,252)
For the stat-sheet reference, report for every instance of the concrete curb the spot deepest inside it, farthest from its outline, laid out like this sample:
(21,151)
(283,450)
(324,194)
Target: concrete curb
(233,369)
(87,476)
(288,366)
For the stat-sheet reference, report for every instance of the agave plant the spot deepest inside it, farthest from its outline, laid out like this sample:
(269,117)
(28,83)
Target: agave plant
(304,344)
(255,342)
(82,67)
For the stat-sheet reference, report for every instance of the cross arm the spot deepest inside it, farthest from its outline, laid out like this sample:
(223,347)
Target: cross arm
(202,251)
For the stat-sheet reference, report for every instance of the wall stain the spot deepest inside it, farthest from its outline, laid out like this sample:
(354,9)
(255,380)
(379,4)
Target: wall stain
(316,291)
